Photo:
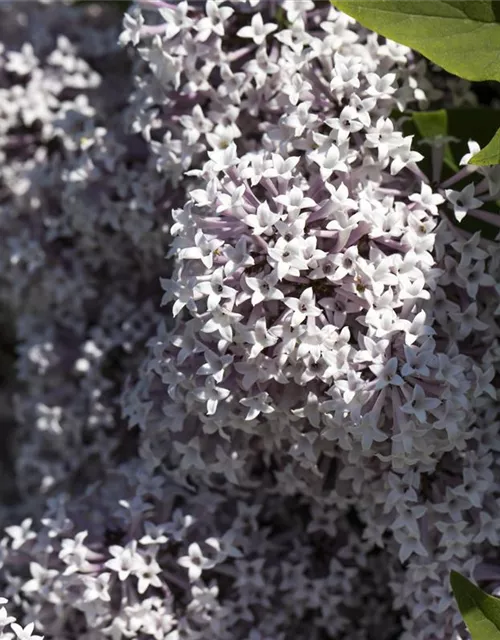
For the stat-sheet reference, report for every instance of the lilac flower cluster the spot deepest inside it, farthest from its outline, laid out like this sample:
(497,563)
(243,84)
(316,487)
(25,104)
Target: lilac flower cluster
(83,238)
(141,556)
(309,441)
(323,343)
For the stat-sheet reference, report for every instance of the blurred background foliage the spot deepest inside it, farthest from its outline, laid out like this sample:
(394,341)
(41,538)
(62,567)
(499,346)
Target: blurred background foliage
(121,5)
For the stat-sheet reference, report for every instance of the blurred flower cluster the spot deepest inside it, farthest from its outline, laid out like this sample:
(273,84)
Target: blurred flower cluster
(249,348)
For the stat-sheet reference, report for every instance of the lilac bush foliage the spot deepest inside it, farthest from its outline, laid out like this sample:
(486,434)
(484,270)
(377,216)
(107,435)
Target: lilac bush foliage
(256,347)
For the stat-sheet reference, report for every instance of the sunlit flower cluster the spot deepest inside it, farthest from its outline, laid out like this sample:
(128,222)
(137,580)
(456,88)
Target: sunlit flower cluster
(249,329)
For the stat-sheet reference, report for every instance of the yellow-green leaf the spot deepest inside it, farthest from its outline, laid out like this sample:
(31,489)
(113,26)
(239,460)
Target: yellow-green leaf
(490,154)
(480,611)
(462,36)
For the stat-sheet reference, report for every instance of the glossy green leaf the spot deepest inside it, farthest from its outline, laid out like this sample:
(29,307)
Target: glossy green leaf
(462,36)
(480,611)
(490,154)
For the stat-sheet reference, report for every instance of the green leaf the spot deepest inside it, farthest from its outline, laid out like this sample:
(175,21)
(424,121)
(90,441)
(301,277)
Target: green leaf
(490,154)
(461,124)
(462,36)
(480,611)
(433,125)
(479,123)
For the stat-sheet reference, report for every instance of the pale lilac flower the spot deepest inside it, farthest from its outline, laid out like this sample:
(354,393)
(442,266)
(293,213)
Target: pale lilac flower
(303,307)
(419,404)
(195,562)
(214,21)
(260,403)
(463,201)
(25,633)
(257,30)
(125,560)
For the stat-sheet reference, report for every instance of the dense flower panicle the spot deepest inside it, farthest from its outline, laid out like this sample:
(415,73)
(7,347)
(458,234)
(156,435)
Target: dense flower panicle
(202,567)
(309,443)
(312,289)
(326,304)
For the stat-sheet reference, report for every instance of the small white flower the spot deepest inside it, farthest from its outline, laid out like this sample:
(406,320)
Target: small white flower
(294,201)
(403,156)
(147,574)
(238,257)
(329,160)
(473,149)
(204,249)
(261,403)
(225,546)
(287,257)
(212,395)
(215,365)
(154,534)
(419,404)
(125,559)
(345,74)
(427,199)
(176,19)
(195,562)
(264,288)
(475,276)
(301,119)
(262,220)
(345,124)
(97,588)
(257,30)
(383,137)
(20,533)
(463,201)
(215,289)
(363,108)
(132,25)
(259,337)
(303,307)
(231,201)
(41,580)
(380,86)
(222,320)
(387,374)
(214,21)
(25,633)
(281,167)
(224,157)
(5,619)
